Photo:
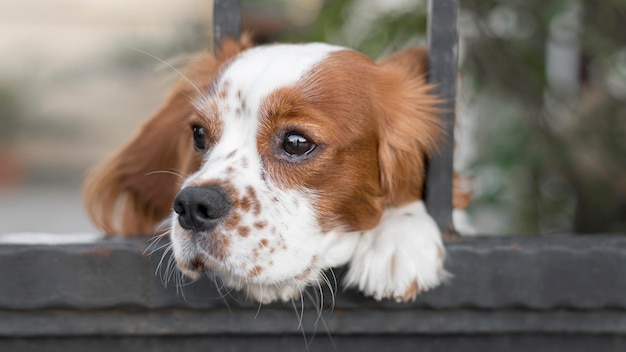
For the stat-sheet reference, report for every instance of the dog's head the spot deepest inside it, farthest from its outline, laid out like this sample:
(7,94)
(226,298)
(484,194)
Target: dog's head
(288,151)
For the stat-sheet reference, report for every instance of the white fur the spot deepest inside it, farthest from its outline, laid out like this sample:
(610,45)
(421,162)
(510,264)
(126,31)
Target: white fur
(259,71)
(404,248)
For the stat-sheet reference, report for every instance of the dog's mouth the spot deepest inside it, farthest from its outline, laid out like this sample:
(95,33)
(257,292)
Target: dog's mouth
(197,265)
(193,268)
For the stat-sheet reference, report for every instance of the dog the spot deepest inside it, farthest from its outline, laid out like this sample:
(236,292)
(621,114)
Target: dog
(274,163)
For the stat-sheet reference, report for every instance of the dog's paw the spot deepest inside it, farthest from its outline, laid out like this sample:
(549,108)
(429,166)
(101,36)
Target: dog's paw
(401,257)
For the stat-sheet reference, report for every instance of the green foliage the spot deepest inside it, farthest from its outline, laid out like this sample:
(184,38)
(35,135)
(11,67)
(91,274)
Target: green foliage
(387,31)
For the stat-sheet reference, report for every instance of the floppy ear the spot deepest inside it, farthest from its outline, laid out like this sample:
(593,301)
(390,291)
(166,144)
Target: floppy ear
(133,190)
(410,127)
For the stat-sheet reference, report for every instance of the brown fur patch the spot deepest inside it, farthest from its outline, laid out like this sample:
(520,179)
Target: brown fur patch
(257,209)
(218,245)
(245,204)
(256,205)
(233,221)
(256,271)
(243,231)
(260,225)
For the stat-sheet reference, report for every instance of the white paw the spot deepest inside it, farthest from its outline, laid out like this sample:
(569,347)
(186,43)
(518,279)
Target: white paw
(401,257)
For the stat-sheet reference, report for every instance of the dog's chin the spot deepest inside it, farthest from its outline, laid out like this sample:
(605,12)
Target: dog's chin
(263,288)
(280,290)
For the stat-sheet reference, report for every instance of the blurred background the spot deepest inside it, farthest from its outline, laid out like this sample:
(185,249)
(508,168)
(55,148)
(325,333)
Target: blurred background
(542,96)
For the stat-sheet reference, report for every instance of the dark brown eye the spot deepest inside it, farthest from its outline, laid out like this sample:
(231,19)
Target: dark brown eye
(297,145)
(199,138)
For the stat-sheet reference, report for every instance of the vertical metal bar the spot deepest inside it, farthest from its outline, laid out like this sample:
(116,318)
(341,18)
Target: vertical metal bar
(226,20)
(442,62)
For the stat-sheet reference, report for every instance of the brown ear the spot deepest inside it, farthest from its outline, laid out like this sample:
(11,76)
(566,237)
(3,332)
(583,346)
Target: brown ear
(133,190)
(410,127)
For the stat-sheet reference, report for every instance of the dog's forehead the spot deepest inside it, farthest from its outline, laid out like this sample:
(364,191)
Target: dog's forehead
(259,71)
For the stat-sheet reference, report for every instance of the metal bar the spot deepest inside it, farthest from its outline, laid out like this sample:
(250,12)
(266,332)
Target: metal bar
(442,61)
(226,20)
(105,295)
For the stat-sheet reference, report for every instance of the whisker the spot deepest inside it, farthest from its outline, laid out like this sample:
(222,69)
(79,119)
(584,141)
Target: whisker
(165,172)
(170,270)
(153,247)
(324,325)
(164,228)
(319,305)
(300,327)
(223,296)
(177,283)
(159,265)
(301,306)
(331,288)
(258,310)
(219,285)
(183,76)
(229,291)
(314,301)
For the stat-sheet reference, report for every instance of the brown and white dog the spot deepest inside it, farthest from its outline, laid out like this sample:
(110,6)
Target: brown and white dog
(295,158)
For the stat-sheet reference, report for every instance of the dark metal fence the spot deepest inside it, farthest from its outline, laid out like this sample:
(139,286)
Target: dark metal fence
(508,294)
(442,65)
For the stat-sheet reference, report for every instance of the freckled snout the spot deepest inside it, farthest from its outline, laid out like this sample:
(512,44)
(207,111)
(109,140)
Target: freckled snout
(201,208)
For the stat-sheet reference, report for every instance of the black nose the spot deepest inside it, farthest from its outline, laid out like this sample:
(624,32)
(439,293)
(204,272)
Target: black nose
(201,208)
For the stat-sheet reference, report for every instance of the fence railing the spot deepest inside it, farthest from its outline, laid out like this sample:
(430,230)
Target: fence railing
(442,67)
(508,294)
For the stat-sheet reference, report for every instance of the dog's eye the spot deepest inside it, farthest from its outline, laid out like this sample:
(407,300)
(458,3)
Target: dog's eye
(297,145)
(199,138)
